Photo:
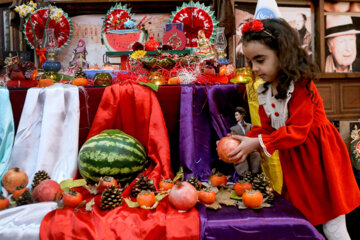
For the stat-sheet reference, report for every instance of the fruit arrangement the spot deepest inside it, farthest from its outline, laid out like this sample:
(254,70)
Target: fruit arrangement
(43,190)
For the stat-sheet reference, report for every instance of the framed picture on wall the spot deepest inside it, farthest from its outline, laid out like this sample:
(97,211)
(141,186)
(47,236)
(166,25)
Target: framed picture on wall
(341,38)
(300,17)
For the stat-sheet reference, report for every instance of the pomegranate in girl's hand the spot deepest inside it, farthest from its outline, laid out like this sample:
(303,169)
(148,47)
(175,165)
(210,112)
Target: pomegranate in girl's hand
(47,191)
(225,146)
(183,196)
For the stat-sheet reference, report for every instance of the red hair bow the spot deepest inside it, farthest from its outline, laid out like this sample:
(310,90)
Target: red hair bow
(253,26)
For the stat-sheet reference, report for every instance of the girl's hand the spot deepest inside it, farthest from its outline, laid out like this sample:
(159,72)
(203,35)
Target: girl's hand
(247,146)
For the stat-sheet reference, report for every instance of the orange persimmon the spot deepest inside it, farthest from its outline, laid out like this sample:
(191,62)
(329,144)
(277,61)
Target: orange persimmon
(80,82)
(46,82)
(174,80)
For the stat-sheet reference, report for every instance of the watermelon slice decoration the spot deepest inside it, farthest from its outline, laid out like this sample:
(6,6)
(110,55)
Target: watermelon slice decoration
(119,42)
(116,17)
(195,17)
(63,28)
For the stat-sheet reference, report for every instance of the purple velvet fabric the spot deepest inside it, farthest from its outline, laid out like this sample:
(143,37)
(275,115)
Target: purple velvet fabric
(206,114)
(280,222)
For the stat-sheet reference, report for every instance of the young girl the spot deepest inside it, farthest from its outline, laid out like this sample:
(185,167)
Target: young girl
(316,167)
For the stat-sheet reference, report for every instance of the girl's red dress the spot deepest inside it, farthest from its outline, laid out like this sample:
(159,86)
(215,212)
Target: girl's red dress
(315,162)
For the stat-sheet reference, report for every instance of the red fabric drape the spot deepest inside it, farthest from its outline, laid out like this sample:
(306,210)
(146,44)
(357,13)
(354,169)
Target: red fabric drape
(135,110)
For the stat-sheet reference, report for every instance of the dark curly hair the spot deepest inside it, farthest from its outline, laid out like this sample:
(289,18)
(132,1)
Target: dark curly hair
(295,65)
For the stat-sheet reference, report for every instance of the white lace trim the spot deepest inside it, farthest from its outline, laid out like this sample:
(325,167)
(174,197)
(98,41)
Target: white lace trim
(279,112)
(263,146)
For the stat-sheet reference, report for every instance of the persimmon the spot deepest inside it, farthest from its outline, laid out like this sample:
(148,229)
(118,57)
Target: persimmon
(225,146)
(72,198)
(207,196)
(166,184)
(80,82)
(240,187)
(46,82)
(252,199)
(218,179)
(174,80)
(105,183)
(13,178)
(146,199)
(4,202)
(19,191)
(222,70)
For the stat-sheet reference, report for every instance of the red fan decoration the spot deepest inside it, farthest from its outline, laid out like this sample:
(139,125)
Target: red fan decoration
(116,17)
(63,28)
(195,17)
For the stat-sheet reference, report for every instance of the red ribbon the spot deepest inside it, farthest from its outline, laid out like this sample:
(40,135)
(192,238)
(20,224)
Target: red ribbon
(41,54)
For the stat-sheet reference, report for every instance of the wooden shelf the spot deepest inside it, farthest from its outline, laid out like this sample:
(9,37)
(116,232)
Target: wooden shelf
(114,54)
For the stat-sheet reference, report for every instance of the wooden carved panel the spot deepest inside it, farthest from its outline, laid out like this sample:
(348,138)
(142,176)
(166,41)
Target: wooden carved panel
(349,97)
(328,93)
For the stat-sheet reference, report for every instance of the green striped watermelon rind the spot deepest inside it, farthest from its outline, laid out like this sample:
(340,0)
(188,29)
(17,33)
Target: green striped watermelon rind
(97,157)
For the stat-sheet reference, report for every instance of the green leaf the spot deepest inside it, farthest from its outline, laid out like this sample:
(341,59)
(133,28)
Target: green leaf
(150,85)
(131,204)
(235,196)
(70,183)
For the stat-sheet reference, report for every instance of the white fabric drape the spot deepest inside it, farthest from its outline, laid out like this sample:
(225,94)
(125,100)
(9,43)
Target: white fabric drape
(46,139)
(48,133)
(23,222)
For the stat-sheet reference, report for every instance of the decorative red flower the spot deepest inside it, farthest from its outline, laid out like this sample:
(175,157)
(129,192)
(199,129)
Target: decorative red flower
(253,26)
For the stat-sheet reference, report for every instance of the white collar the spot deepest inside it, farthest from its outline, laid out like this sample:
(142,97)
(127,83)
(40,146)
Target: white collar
(275,109)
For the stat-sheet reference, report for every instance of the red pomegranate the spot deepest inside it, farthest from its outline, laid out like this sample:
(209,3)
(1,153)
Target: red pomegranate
(14,178)
(225,146)
(47,191)
(183,196)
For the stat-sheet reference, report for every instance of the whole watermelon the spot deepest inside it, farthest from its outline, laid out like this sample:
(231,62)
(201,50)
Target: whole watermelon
(112,153)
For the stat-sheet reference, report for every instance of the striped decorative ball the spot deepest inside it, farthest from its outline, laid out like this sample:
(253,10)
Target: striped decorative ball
(112,153)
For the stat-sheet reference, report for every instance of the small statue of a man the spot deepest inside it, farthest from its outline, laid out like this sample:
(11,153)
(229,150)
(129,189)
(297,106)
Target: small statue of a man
(252,163)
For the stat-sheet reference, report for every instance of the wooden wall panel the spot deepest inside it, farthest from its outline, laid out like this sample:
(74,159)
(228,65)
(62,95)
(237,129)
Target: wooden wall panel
(349,97)
(328,93)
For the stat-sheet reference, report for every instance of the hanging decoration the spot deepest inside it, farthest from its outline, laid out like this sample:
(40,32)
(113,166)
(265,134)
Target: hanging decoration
(116,17)
(41,21)
(195,17)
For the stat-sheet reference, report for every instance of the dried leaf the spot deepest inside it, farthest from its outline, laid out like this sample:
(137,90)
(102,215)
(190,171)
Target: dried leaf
(241,205)
(92,189)
(81,204)
(70,183)
(179,175)
(152,207)
(214,206)
(131,204)
(161,195)
(223,197)
(89,205)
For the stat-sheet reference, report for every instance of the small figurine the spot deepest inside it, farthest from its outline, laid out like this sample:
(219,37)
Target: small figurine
(79,58)
(252,164)
(204,48)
